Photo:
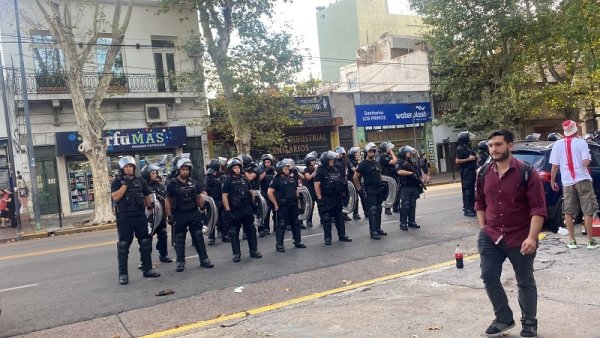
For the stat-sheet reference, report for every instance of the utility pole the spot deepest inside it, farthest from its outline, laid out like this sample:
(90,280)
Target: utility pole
(30,153)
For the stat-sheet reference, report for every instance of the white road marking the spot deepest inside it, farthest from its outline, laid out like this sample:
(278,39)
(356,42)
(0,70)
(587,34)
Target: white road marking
(19,287)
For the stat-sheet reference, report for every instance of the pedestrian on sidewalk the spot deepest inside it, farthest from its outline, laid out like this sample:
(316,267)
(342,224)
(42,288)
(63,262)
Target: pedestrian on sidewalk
(23,194)
(571,155)
(4,212)
(511,209)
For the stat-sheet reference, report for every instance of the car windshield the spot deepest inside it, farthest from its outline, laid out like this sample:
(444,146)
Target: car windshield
(533,158)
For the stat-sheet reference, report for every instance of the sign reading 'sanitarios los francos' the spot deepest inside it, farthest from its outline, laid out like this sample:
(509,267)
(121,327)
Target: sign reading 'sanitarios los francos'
(392,114)
(126,140)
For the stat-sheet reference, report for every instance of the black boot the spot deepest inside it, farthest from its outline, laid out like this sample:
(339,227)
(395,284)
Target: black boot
(161,246)
(279,234)
(234,237)
(326,222)
(201,250)
(355,216)
(388,211)
(373,224)
(146,256)
(412,218)
(122,254)
(379,230)
(404,219)
(309,224)
(297,237)
(341,230)
(345,217)
(180,250)
(253,244)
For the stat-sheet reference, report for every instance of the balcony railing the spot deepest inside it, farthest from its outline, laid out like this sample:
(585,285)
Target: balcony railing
(125,83)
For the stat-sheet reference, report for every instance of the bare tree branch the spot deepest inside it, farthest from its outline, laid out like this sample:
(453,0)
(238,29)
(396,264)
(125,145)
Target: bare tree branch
(93,39)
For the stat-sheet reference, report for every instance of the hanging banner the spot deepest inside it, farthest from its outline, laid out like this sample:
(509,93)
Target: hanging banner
(400,114)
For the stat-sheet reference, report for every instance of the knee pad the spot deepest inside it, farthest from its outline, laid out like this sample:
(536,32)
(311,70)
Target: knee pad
(180,238)
(374,209)
(199,235)
(161,233)
(413,204)
(405,204)
(326,219)
(123,247)
(146,245)
(234,231)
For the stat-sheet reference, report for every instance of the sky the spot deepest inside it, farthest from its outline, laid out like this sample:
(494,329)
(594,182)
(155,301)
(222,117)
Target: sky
(300,15)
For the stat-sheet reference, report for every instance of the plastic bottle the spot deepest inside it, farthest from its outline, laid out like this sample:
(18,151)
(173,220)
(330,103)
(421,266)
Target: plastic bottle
(458,255)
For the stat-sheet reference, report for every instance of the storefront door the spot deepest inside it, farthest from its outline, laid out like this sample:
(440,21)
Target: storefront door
(47,185)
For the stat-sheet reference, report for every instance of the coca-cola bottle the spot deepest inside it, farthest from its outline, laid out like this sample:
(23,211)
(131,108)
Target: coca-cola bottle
(458,255)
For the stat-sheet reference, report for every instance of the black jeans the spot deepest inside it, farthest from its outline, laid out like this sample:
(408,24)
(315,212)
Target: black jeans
(492,258)
(467,182)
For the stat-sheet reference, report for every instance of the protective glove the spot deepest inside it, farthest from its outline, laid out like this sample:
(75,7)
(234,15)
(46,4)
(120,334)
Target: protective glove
(150,216)
(414,175)
(127,181)
(229,216)
(362,193)
(171,221)
(320,203)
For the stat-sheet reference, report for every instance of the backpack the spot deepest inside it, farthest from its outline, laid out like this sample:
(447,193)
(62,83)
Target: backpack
(525,174)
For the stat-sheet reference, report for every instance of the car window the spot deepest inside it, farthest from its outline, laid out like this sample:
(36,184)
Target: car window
(595,151)
(534,158)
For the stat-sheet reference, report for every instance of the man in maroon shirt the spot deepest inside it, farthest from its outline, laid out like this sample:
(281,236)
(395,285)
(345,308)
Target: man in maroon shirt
(510,216)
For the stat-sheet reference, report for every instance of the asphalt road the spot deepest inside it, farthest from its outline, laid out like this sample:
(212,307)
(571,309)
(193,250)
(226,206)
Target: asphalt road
(62,280)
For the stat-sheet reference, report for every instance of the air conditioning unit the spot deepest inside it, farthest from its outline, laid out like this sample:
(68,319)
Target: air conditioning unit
(156,113)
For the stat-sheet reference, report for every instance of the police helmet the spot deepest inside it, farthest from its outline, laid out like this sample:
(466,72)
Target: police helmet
(289,162)
(404,150)
(268,157)
(149,169)
(184,162)
(328,156)
(483,146)
(532,137)
(233,162)
(246,160)
(465,137)
(421,152)
(370,146)
(125,160)
(214,164)
(588,137)
(309,158)
(554,137)
(280,165)
(222,161)
(340,150)
(353,151)
(384,147)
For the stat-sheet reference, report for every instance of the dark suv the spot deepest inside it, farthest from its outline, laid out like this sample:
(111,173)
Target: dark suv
(538,155)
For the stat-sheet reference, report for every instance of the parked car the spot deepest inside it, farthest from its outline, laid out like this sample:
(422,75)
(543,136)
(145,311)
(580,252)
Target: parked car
(538,155)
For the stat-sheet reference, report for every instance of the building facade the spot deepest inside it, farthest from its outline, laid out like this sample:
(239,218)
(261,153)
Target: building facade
(346,25)
(149,113)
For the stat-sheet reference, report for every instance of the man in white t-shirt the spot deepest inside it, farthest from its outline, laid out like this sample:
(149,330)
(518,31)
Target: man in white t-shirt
(571,155)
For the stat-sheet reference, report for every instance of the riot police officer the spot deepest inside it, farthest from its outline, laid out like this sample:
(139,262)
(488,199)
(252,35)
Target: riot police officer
(341,163)
(411,187)
(267,173)
(213,181)
(251,172)
(331,188)
(373,191)
(151,174)
(237,200)
(467,162)
(282,193)
(131,196)
(353,161)
(482,153)
(387,161)
(299,179)
(184,196)
(310,160)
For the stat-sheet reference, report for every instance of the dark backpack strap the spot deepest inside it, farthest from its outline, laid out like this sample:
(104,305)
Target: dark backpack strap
(525,174)
(481,174)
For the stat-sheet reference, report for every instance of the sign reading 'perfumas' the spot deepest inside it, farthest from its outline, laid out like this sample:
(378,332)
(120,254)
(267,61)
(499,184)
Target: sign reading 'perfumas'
(392,114)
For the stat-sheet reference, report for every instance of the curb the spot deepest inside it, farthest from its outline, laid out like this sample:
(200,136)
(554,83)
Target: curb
(45,233)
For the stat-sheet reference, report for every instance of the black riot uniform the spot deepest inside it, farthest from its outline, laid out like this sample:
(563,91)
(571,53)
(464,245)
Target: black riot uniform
(373,191)
(237,197)
(387,161)
(213,181)
(251,171)
(131,219)
(341,163)
(467,172)
(282,193)
(157,188)
(182,197)
(267,172)
(353,161)
(482,153)
(411,187)
(309,182)
(332,189)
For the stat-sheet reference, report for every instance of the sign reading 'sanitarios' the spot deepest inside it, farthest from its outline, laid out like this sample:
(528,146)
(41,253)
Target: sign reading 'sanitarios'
(126,140)
(392,114)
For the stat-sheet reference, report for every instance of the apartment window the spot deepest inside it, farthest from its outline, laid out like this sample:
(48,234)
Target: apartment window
(352,80)
(119,79)
(49,61)
(164,63)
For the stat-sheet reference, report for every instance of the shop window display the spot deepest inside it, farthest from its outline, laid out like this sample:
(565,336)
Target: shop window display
(81,185)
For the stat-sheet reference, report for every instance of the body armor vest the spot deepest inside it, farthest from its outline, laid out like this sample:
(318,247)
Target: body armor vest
(158,189)
(386,168)
(408,165)
(335,183)
(287,190)
(213,186)
(186,195)
(264,184)
(239,195)
(133,200)
(372,176)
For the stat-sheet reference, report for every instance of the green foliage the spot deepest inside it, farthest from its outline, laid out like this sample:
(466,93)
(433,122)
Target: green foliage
(506,61)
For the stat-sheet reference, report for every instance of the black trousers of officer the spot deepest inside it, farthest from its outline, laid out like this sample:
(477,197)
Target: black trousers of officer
(467,181)
(396,206)
(189,220)
(238,220)
(265,227)
(376,194)
(287,215)
(128,225)
(309,218)
(330,210)
(408,206)
(161,238)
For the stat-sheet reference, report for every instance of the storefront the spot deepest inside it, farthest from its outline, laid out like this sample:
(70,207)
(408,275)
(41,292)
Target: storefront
(149,146)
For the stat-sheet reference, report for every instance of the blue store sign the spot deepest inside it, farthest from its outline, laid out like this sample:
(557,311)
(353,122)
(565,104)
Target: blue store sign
(126,140)
(392,114)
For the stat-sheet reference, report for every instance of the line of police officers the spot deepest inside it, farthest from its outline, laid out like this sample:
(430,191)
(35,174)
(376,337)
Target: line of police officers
(234,186)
